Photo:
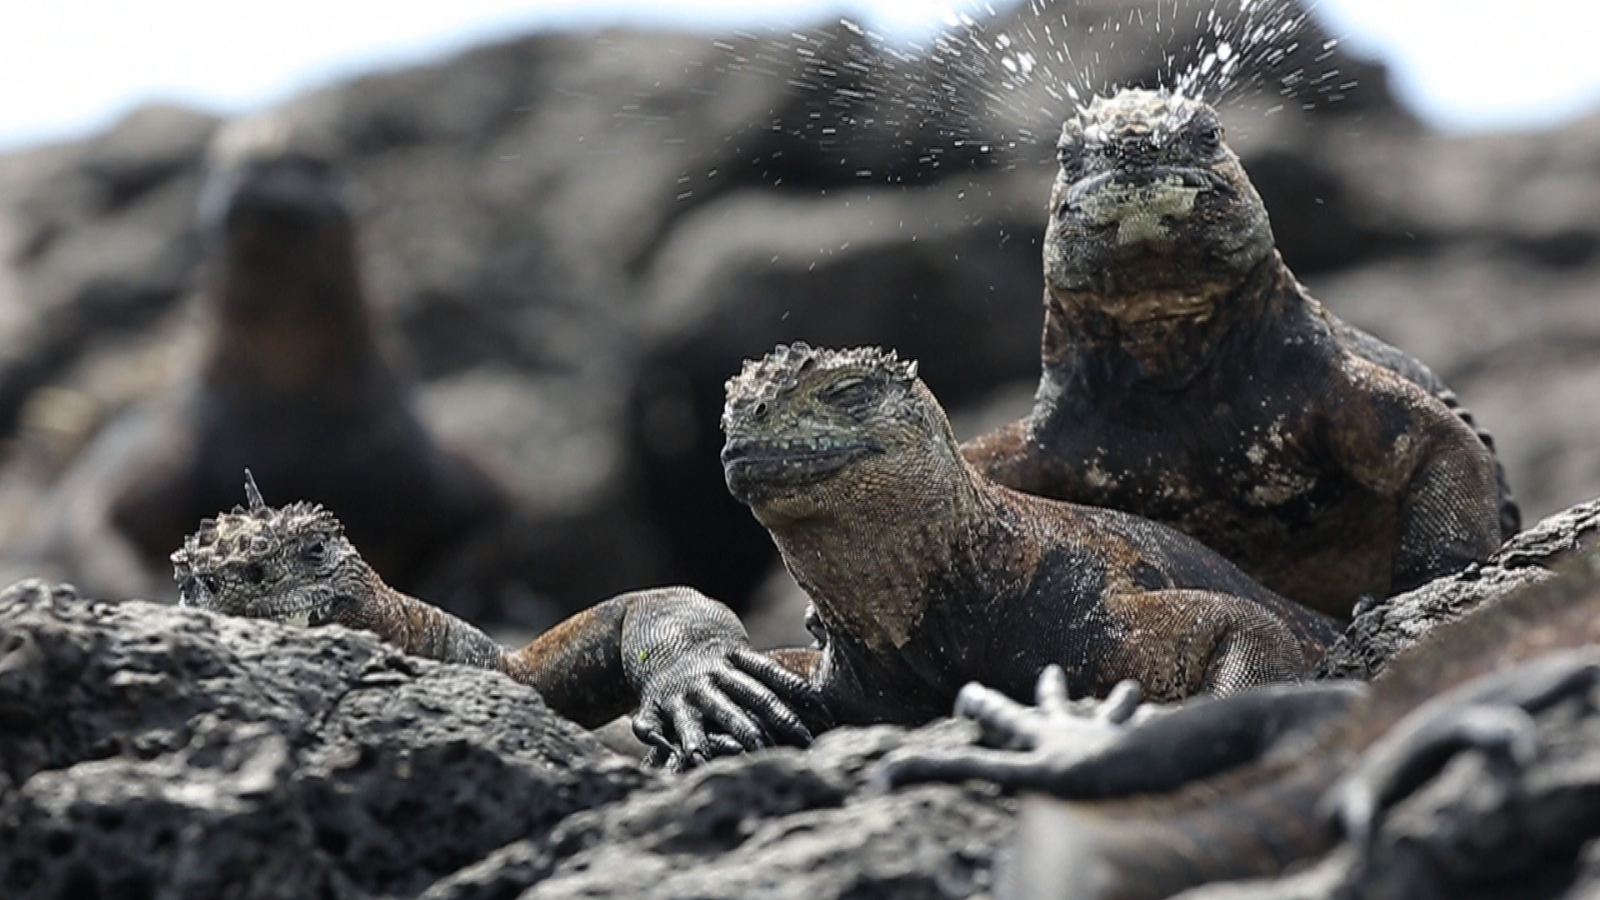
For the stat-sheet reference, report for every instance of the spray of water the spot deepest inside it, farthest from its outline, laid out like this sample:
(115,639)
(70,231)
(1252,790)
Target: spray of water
(993,82)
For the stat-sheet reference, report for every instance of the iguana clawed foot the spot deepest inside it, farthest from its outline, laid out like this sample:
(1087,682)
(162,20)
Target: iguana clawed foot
(1493,714)
(1122,747)
(718,700)
(1055,735)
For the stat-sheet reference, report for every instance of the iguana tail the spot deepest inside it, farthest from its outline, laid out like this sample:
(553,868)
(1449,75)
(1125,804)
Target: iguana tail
(1152,848)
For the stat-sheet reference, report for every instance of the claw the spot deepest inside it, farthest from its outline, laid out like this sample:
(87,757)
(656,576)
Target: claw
(1123,701)
(649,728)
(1051,691)
(1004,721)
(732,718)
(687,722)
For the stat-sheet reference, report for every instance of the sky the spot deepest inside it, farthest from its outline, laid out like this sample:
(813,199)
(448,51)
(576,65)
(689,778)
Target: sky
(68,67)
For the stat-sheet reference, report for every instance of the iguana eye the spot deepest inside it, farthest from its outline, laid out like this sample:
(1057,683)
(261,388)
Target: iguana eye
(315,552)
(1206,139)
(211,584)
(846,391)
(255,574)
(1070,156)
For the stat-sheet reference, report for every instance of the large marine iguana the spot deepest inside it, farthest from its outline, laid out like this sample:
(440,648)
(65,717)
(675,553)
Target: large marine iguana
(1189,378)
(924,575)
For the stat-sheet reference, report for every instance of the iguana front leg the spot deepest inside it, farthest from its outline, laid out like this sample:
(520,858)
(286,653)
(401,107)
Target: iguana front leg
(700,683)
(1397,441)
(1033,747)
(682,659)
(1210,643)
(1121,748)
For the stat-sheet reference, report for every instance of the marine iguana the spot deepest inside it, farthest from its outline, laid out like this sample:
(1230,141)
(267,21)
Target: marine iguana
(668,652)
(1189,378)
(924,575)
(1248,785)
(292,383)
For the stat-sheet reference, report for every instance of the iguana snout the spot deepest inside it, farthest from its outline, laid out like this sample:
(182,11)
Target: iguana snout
(1147,178)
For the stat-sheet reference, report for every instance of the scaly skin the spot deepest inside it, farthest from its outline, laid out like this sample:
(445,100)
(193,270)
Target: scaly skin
(925,576)
(1189,378)
(671,653)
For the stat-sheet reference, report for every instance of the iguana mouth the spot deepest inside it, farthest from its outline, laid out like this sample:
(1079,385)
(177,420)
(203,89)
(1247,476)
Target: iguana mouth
(295,609)
(751,465)
(1138,204)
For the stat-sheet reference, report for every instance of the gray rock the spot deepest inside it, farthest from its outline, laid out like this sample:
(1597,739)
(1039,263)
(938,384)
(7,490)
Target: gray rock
(153,751)
(780,823)
(162,752)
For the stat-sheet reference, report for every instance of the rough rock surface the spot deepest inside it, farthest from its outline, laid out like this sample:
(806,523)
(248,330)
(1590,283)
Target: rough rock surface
(150,751)
(782,823)
(1381,630)
(157,752)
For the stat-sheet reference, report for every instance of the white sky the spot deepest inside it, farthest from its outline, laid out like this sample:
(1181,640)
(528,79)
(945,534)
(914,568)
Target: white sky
(69,66)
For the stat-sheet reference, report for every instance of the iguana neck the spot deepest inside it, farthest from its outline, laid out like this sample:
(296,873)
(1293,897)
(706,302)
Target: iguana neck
(868,566)
(1159,340)
(414,626)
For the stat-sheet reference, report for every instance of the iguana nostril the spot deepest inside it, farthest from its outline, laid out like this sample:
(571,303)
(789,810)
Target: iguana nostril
(761,409)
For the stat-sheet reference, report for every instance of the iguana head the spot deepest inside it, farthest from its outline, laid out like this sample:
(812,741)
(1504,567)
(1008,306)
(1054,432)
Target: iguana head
(812,432)
(1152,215)
(291,565)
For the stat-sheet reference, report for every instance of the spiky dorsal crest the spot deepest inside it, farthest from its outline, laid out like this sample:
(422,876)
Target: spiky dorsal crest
(255,532)
(1136,111)
(781,370)
(252,494)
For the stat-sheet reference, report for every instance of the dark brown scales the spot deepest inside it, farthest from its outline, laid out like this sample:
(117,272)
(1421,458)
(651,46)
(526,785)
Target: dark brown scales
(1189,378)
(926,576)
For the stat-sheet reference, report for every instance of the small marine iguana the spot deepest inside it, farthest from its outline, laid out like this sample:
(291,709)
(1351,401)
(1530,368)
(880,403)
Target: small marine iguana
(924,575)
(668,652)
(1189,378)
(1247,785)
